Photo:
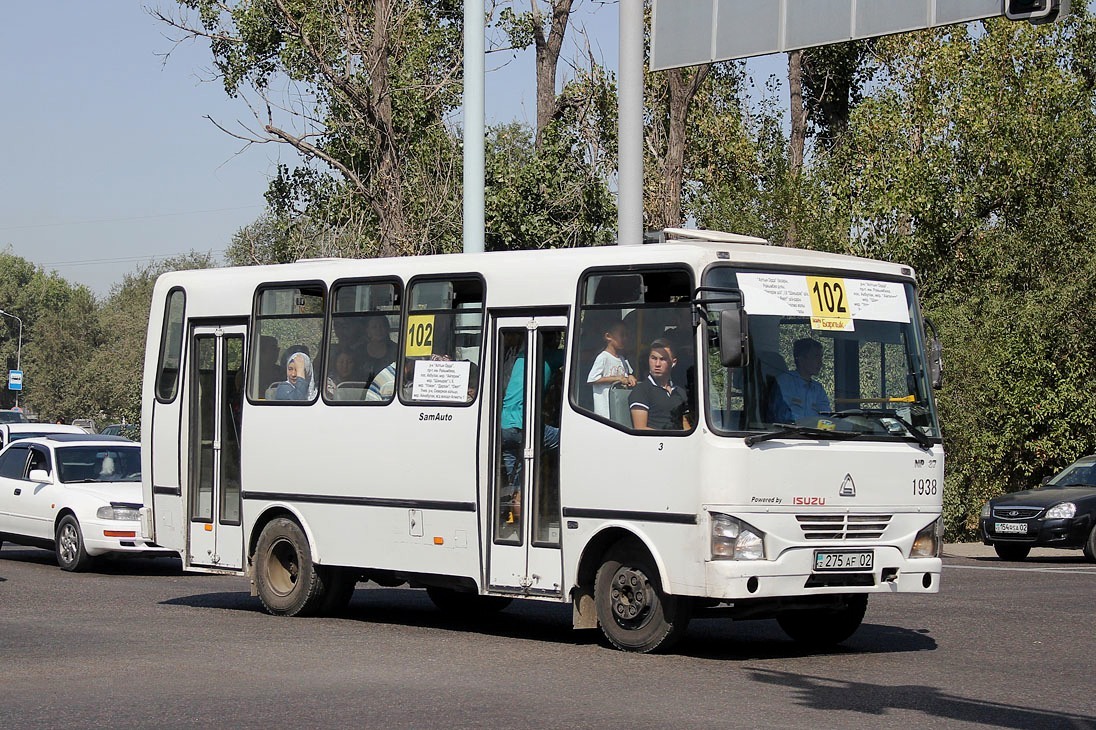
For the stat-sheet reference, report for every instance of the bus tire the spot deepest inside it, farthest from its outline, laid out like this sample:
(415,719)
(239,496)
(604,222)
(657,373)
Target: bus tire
(465,604)
(633,611)
(287,580)
(824,627)
(338,589)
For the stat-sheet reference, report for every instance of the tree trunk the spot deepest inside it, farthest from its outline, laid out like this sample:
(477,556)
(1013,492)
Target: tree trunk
(682,86)
(798,139)
(547,60)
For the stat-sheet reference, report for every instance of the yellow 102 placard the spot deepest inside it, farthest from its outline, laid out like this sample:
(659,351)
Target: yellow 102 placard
(420,335)
(830,308)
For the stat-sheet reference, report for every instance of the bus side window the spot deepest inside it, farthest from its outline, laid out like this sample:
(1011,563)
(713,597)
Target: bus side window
(171,346)
(442,339)
(288,320)
(362,347)
(621,314)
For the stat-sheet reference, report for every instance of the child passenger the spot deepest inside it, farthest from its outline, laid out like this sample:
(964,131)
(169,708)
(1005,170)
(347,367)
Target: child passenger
(610,367)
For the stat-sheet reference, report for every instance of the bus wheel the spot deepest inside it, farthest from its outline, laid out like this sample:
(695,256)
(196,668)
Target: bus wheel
(338,588)
(634,613)
(824,627)
(288,582)
(465,604)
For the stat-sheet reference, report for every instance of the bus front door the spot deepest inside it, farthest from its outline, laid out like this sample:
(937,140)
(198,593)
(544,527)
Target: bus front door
(525,555)
(215,383)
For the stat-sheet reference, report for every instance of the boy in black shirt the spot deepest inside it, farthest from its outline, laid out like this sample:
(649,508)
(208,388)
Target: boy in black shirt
(657,403)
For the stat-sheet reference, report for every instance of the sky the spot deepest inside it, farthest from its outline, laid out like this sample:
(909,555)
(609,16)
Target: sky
(109,162)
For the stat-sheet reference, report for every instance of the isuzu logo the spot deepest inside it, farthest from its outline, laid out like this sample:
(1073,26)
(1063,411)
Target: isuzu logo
(848,487)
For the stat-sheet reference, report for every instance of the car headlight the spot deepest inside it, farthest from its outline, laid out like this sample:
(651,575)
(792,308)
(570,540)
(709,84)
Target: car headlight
(117,513)
(733,539)
(1065,510)
(928,540)
(985,511)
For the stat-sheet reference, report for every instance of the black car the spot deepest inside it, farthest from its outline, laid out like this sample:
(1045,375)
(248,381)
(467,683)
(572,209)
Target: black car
(1061,513)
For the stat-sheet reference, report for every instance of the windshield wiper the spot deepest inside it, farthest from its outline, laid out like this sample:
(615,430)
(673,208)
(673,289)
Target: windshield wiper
(790,429)
(879,414)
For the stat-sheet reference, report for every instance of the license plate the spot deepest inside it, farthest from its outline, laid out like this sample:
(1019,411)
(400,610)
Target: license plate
(843,560)
(1019,528)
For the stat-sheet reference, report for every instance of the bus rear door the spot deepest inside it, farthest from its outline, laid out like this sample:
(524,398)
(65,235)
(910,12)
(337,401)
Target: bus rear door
(215,398)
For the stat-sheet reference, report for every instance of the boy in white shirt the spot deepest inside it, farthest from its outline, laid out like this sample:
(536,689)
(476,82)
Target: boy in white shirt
(610,367)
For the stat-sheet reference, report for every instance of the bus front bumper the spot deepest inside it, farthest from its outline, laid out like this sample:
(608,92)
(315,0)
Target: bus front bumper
(820,570)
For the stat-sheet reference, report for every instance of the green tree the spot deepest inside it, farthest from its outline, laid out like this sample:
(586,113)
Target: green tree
(974,161)
(555,194)
(362,92)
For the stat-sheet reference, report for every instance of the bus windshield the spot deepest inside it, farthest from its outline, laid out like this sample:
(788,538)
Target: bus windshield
(829,353)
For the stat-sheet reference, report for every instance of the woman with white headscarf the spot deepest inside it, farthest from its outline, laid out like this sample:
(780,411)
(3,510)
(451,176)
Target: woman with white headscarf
(299,383)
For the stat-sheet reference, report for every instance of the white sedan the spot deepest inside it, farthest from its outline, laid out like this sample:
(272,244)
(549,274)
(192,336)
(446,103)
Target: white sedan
(78,495)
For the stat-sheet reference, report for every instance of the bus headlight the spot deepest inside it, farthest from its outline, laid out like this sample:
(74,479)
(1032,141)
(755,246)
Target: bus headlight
(927,543)
(733,539)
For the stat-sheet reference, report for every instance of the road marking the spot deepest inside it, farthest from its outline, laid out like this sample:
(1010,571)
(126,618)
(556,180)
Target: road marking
(1082,571)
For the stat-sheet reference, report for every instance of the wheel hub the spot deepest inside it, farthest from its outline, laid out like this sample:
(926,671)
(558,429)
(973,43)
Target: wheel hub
(283,567)
(630,597)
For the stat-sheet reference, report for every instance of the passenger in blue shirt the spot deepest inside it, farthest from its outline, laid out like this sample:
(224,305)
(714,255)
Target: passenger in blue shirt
(513,406)
(797,394)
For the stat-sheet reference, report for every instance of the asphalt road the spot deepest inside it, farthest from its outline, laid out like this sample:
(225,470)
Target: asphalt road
(139,644)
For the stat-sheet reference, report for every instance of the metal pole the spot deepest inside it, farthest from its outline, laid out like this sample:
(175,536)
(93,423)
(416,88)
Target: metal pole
(474,143)
(18,350)
(630,125)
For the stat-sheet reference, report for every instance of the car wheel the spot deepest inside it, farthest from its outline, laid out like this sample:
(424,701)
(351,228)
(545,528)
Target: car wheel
(1012,553)
(1090,546)
(823,627)
(69,546)
(634,613)
(464,604)
(287,581)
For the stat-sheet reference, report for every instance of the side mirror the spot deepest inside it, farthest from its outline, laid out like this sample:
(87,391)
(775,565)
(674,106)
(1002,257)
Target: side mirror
(733,335)
(935,356)
(39,475)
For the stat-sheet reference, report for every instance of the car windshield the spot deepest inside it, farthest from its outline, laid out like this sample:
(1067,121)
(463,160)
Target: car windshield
(84,464)
(1082,473)
(825,353)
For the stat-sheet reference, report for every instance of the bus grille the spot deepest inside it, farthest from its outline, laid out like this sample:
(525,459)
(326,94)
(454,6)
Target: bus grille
(843,527)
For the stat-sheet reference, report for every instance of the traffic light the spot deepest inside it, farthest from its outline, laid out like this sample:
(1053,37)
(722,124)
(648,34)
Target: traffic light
(1036,11)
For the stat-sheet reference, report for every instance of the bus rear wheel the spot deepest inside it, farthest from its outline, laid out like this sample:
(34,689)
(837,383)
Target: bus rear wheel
(288,582)
(634,613)
(824,627)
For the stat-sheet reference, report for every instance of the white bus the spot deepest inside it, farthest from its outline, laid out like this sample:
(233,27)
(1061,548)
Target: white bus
(439,422)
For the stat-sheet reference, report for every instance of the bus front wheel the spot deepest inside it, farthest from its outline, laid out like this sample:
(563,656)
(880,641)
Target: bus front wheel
(634,613)
(288,582)
(824,627)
